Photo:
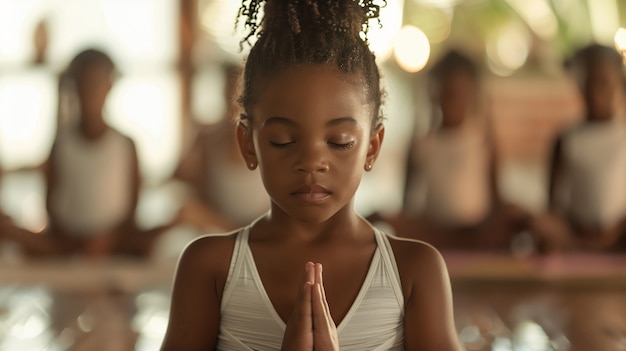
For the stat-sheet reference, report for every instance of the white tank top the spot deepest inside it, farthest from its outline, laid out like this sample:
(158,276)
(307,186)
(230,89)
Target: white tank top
(249,321)
(93,182)
(454,173)
(594,174)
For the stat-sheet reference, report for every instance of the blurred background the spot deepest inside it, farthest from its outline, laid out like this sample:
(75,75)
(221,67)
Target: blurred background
(171,84)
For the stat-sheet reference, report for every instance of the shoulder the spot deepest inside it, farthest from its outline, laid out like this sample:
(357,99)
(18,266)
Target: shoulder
(411,253)
(418,263)
(207,259)
(209,252)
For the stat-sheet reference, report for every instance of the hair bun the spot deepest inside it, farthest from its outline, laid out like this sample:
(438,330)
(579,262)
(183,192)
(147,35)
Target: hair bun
(339,16)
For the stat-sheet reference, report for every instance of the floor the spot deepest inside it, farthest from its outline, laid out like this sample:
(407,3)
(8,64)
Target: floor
(501,304)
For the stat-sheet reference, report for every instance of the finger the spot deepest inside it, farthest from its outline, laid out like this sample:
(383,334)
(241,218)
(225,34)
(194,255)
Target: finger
(298,332)
(306,306)
(325,332)
(319,311)
(319,279)
(304,300)
(309,272)
(302,310)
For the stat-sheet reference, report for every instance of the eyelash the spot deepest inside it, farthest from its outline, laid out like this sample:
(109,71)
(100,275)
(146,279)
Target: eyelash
(345,146)
(280,145)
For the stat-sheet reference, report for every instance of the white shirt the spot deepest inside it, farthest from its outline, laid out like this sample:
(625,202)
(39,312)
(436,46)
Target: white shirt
(93,182)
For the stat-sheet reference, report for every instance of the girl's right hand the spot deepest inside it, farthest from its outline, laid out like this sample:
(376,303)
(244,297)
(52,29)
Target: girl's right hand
(299,332)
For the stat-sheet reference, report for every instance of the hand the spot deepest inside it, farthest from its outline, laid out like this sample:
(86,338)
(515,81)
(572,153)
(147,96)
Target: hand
(299,331)
(311,326)
(324,330)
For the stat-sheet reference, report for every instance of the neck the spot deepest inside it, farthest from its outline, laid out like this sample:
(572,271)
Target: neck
(93,130)
(345,224)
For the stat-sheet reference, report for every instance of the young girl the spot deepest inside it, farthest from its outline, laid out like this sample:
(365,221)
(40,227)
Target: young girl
(311,125)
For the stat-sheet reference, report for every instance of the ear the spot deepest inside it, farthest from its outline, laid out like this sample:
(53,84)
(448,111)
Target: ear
(375,143)
(246,145)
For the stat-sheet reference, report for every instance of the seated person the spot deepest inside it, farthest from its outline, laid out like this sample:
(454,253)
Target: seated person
(587,195)
(225,193)
(451,195)
(92,177)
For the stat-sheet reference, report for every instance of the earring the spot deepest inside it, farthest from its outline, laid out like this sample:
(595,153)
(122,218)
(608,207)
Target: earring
(368,167)
(252,166)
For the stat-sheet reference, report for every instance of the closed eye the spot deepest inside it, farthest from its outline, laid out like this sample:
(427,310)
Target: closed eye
(342,146)
(280,145)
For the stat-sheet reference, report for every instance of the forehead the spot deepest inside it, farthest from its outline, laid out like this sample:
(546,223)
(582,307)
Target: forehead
(312,90)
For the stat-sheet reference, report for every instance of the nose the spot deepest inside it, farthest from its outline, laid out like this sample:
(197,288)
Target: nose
(311,159)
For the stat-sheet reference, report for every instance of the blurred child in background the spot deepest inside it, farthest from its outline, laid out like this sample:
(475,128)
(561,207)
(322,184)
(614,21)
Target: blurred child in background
(92,176)
(587,188)
(218,175)
(451,195)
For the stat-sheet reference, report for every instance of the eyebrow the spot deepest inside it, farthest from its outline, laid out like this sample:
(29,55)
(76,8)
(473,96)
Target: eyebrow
(291,123)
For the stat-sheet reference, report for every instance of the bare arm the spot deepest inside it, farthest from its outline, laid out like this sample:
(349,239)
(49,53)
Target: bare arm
(49,173)
(129,221)
(195,309)
(494,167)
(429,319)
(411,172)
(555,172)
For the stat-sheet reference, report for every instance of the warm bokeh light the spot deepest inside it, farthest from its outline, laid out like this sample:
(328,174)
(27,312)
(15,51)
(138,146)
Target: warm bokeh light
(412,49)
(28,102)
(508,50)
(130,32)
(538,15)
(17,24)
(440,3)
(620,42)
(381,39)
(604,16)
(440,32)
(217,19)
(146,107)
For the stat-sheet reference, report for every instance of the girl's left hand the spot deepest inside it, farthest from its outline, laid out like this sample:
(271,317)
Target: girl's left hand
(324,330)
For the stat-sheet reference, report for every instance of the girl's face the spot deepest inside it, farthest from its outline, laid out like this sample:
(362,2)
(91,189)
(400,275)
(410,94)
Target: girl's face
(311,136)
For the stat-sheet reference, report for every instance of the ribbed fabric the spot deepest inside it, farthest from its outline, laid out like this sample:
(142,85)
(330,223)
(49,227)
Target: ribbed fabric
(374,322)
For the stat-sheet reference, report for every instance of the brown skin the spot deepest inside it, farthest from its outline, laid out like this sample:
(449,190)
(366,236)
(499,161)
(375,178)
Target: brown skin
(311,143)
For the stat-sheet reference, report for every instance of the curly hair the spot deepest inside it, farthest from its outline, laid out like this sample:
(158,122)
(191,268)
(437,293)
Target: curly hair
(293,32)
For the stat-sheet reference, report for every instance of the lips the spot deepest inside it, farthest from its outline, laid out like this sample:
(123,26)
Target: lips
(312,193)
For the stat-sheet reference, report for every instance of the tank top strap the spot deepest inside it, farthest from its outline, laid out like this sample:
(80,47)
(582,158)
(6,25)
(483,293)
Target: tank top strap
(390,265)
(236,263)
